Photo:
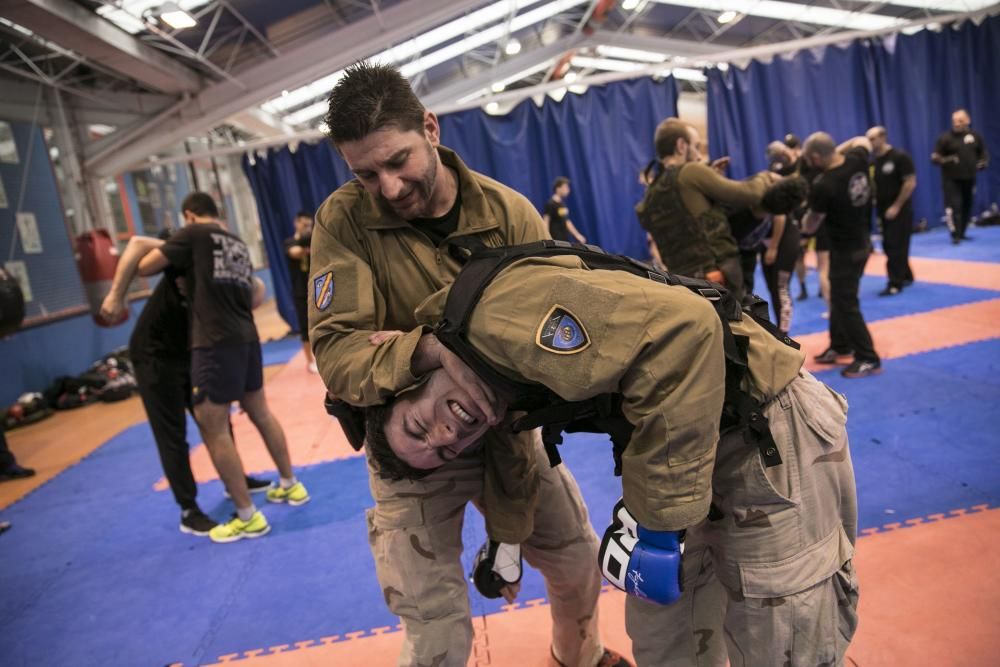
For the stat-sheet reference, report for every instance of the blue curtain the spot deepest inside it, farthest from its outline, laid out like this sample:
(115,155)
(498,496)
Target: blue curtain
(599,140)
(909,83)
(286,182)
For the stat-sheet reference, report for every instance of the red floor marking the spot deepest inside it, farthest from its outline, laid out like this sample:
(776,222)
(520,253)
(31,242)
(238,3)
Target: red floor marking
(296,396)
(923,332)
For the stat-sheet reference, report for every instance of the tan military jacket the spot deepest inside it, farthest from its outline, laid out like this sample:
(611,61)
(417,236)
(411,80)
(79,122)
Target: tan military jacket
(370,270)
(659,346)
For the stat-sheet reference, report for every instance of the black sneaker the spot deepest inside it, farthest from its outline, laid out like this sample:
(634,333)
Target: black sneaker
(831,356)
(15,471)
(862,369)
(255,485)
(891,290)
(803,294)
(196,522)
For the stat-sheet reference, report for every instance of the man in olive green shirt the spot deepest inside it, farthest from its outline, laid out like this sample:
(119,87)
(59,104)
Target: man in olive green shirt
(766,545)
(683,209)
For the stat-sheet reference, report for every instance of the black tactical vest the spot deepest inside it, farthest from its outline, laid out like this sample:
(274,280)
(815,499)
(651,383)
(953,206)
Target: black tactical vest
(603,413)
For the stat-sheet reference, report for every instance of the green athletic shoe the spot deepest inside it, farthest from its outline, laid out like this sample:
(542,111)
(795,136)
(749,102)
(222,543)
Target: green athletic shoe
(236,529)
(296,494)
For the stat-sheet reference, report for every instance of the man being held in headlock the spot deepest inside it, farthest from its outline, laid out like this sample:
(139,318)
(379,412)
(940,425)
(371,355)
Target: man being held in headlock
(734,537)
(684,208)
(379,248)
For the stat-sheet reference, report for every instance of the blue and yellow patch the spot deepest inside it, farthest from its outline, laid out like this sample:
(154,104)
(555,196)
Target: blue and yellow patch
(323,290)
(562,332)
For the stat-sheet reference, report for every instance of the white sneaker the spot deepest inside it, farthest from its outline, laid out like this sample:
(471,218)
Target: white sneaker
(312,368)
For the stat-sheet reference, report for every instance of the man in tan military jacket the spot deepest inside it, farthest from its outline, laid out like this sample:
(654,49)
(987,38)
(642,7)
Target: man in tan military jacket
(378,250)
(767,574)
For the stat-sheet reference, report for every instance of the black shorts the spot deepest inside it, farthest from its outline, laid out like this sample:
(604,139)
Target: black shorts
(822,239)
(226,373)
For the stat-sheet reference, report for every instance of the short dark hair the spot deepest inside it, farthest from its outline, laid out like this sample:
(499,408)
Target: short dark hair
(370,97)
(377,445)
(785,196)
(304,214)
(667,134)
(559,182)
(792,141)
(201,204)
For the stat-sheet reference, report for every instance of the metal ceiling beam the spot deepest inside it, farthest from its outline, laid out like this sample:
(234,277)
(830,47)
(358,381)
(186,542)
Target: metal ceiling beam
(258,122)
(671,46)
(449,94)
(295,67)
(73,27)
(447,97)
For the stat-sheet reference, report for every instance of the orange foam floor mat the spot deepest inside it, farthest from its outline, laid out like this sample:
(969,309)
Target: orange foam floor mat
(929,595)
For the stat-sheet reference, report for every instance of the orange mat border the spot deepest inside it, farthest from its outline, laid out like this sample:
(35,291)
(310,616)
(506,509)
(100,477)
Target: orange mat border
(481,656)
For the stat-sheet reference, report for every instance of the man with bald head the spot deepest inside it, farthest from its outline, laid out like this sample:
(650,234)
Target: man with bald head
(960,153)
(895,181)
(839,199)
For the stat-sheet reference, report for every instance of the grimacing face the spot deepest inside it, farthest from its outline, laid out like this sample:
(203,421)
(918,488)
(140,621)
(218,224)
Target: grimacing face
(434,423)
(399,169)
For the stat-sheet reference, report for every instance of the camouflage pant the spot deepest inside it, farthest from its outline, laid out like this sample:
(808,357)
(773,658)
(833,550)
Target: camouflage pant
(768,580)
(415,533)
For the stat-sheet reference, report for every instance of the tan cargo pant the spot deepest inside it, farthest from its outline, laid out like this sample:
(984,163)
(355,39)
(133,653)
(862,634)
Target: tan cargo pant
(415,533)
(770,582)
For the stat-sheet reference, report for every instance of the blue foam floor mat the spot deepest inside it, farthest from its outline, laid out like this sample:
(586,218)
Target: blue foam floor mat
(95,571)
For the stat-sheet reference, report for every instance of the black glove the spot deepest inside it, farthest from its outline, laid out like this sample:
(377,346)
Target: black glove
(496,565)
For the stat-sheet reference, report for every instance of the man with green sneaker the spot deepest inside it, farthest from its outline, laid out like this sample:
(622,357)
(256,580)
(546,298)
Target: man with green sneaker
(226,362)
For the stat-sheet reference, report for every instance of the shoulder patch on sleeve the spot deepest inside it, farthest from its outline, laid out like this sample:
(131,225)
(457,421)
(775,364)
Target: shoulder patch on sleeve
(562,332)
(323,290)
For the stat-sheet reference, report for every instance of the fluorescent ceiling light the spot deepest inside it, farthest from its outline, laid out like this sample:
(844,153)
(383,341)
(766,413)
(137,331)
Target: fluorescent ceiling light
(607,64)
(687,74)
(503,83)
(631,54)
(128,13)
(410,69)
(306,114)
(513,47)
(487,36)
(727,16)
(424,43)
(790,11)
(570,77)
(175,17)
(629,5)
(492,107)
(951,6)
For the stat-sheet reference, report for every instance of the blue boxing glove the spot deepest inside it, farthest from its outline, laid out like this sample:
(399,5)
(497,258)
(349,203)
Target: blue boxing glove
(642,562)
